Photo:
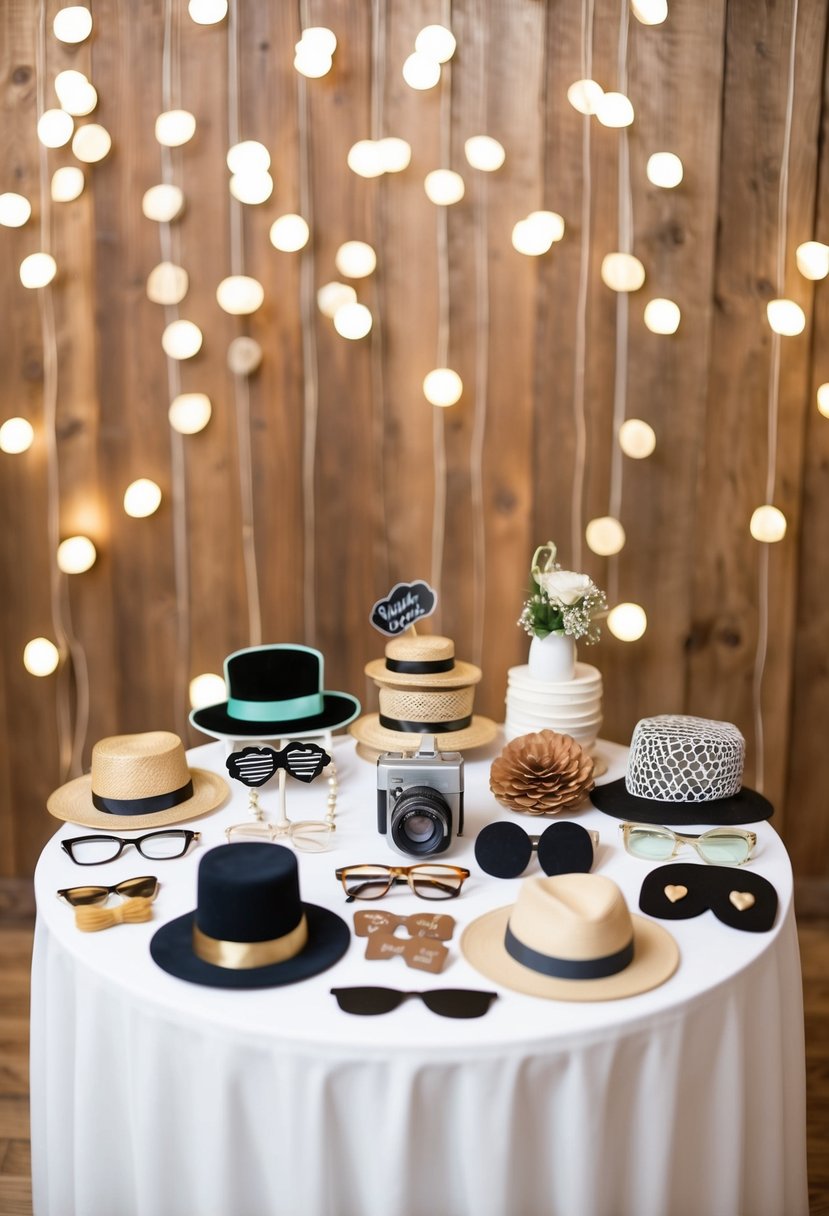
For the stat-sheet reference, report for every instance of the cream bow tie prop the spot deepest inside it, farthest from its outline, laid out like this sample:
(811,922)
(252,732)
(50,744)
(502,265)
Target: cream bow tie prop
(130,912)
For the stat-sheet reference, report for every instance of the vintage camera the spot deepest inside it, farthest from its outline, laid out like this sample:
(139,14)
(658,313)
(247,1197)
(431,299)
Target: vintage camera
(419,798)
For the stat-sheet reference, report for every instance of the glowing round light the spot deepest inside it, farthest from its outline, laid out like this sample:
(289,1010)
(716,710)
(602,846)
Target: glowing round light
(813,260)
(320,38)
(421,72)
(75,94)
(662,316)
(76,555)
(207,689)
(167,283)
(549,225)
(436,42)
(352,321)
(207,12)
(364,158)
(190,413)
(175,127)
(627,622)
(650,12)
(251,188)
(786,317)
(332,296)
(37,270)
(622,272)
(585,95)
(637,439)
(395,154)
(40,657)
(289,233)
(248,157)
(72,24)
(822,403)
(244,356)
(14,210)
(16,436)
(614,110)
(605,535)
(163,203)
(311,62)
(54,128)
(142,498)
(664,169)
(535,234)
(240,295)
(91,143)
(181,340)
(442,386)
(67,184)
(444,187)
(355,259)
(485,153)
(768,524)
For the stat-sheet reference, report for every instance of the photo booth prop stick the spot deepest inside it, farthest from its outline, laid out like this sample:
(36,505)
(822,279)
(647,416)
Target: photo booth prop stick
(405,604)
(254,767)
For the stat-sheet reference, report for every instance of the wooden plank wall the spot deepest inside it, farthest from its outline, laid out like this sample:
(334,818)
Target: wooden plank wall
(333,534)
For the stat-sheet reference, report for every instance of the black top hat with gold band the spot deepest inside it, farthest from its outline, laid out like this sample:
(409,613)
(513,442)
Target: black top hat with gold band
(423,689)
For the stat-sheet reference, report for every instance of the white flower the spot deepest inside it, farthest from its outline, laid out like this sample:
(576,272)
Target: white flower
(564,587)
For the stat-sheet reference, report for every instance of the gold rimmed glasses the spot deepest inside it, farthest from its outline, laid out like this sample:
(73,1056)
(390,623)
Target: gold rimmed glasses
(426,880)
(722,846)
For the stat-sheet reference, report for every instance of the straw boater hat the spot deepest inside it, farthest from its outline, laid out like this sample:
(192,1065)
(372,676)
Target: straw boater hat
(424,690)
(250,928)
(138,781)
(570,938)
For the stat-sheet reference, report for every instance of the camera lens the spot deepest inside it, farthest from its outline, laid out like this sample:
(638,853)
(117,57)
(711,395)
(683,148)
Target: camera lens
(421,822)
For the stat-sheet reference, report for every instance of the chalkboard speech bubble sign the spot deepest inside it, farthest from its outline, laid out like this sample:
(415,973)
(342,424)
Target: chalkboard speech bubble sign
(404,604)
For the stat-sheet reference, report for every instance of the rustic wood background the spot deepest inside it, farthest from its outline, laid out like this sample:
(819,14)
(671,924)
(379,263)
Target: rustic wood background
(709,84)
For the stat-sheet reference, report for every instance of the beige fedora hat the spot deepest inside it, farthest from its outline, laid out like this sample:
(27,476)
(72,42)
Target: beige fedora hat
(138,781)
(424,661)
(570,938)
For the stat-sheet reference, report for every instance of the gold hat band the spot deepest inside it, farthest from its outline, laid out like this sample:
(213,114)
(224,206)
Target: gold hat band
(239,956)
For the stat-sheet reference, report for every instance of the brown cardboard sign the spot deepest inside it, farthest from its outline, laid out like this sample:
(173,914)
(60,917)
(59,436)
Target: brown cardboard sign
(418,952)
(420,924)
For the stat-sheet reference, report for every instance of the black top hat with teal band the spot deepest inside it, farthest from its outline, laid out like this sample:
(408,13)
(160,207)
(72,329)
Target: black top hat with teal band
(275,691)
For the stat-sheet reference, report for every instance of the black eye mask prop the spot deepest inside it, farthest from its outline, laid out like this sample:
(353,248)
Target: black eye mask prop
(738,898)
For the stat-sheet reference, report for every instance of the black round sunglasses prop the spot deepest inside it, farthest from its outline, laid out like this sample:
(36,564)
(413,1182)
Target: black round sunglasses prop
(504,849)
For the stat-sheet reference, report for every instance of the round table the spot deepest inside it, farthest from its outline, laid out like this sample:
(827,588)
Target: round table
(154,1097)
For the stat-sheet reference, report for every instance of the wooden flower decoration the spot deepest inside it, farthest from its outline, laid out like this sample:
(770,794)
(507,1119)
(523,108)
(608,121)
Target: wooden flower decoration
(541,773)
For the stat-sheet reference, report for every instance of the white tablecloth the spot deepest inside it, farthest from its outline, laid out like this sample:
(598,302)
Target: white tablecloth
(153,1097)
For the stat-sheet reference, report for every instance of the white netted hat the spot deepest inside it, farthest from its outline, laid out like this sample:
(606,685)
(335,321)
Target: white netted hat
(682,769)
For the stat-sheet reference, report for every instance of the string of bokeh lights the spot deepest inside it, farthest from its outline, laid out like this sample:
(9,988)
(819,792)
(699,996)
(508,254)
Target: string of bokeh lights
(251,184)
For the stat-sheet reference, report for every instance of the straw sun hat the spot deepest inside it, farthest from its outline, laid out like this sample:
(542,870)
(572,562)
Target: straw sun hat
(423,689)
(138,781)
(570,938)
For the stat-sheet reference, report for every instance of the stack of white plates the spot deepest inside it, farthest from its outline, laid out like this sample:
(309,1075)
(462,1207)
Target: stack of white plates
(569,707)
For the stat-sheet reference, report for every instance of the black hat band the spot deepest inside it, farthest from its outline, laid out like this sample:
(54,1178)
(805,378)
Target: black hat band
(568,968)
(143,806)
(419,668)
(419,728)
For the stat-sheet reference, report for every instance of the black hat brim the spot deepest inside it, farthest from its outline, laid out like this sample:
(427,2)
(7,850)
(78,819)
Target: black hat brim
(328,937)
(339,708)
(746,806)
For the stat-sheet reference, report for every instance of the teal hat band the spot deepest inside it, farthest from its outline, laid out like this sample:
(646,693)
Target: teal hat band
(276,711)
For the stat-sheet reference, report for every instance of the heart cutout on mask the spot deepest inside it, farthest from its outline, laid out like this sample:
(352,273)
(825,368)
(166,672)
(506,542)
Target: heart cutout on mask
(742,900)
(253,766)
(675,892)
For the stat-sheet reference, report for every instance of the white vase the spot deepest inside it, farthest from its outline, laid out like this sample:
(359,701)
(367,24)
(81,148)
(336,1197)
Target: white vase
(553,658)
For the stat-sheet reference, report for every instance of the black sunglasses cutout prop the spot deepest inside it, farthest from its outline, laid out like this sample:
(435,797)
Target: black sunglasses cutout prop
(504,849)
(446,1002)
(739,898)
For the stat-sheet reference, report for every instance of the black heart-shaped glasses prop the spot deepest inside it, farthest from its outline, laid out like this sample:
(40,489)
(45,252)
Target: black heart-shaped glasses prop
(253,766)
